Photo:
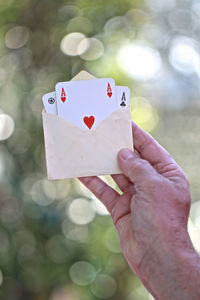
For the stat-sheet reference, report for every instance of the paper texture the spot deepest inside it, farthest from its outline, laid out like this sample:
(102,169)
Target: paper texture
(74,152)
(83,75)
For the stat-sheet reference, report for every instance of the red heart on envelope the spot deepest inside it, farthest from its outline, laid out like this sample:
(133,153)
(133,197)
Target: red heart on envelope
(89,121)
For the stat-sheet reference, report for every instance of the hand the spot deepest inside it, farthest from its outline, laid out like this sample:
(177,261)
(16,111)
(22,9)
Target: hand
(151,215)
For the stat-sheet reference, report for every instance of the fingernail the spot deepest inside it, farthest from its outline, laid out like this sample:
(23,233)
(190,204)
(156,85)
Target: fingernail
(126,154)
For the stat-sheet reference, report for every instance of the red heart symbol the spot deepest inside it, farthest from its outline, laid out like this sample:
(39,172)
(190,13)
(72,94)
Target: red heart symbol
(89,121)
(109,94)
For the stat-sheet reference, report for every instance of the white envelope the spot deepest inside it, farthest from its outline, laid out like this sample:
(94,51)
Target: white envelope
(74,152)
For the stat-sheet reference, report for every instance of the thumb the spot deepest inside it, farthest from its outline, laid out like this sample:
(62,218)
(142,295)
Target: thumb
(139,171)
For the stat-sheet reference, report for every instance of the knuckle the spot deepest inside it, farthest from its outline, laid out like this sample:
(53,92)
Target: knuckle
(185,180)
(136,166)
(92,183)
(187,198)
(184,188)
(184,197)
(184,203)
(188,201)
(144,163)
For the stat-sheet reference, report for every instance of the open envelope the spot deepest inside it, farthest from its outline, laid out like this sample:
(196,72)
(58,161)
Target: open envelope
(74,152)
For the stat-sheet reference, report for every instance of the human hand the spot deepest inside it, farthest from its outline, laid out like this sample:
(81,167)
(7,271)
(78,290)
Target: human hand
(152,212)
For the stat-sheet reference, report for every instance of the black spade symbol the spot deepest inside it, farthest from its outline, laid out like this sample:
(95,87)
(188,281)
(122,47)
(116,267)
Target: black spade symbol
(123,103)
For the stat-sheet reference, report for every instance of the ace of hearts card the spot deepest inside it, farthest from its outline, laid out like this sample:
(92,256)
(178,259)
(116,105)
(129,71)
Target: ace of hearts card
(86,103)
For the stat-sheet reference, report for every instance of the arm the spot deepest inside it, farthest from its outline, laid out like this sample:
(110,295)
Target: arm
(172,273)
(151,218)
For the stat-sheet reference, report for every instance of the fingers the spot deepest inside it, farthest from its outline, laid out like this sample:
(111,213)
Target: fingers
(138,170)
(121,180)
(148,148)
(125,185)
(101,190)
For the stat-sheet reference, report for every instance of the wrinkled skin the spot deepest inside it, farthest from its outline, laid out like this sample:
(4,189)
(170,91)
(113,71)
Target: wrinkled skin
(150,215)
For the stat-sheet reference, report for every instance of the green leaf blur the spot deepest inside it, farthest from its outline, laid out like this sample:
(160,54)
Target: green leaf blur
(57,242)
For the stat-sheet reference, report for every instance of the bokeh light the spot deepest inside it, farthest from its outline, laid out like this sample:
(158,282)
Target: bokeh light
(85,191)
(82,273)
(141,62)
(7,126)
(194,225)
(64,292)
(16,37)
(81,211)
(1,277)
(62,188)
(196,8)
(140,292)
(144,114)
(70,44)
(112,241)
(75,233)
(98,206)
(91,49)
(80,24)
(184,55)
(182,20)
(43,192)
(161,5)
(68,11)
(104,286)
(117,24)
(194,233)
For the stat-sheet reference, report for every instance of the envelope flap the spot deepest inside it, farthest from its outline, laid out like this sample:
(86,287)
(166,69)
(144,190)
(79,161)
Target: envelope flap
(116,116)
(83,75)
(73,152)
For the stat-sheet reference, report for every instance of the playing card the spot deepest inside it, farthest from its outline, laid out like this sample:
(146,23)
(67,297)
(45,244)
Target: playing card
(75,152)
(49,101)
(86,103)
(123,96)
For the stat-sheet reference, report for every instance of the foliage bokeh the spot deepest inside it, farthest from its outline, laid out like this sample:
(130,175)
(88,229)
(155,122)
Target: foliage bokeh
(56,241)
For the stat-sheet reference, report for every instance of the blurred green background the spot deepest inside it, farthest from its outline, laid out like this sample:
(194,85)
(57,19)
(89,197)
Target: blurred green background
(57,242)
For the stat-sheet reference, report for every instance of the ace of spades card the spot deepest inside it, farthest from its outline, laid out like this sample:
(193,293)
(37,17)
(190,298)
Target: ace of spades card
(72,151)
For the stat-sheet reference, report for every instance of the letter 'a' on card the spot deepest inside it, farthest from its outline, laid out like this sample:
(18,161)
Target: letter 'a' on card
(74,152)
(79,100)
